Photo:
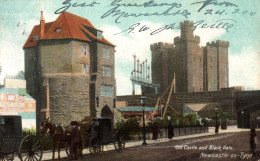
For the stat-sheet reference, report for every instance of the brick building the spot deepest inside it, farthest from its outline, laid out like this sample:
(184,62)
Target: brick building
(196,68)
(69,69)
(14,100)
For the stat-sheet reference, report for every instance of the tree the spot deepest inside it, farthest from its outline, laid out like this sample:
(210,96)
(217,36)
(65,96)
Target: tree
(128,128)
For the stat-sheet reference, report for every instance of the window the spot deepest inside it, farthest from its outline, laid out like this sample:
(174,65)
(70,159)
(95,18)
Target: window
(84,68)
(107,91)
(106,71)
(58,30)
(84,49)
(34,74)
(106,53)
(99,34)
(35,38)
(34,57)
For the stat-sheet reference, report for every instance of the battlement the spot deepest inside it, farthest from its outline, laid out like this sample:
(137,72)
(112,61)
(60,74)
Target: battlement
(161,45)
(218,43)
(194,39)
(187,23)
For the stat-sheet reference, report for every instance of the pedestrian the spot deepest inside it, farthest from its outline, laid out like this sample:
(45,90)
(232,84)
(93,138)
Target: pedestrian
(155,131)
(170,130)
(75,140)
(252,141)
(216,127)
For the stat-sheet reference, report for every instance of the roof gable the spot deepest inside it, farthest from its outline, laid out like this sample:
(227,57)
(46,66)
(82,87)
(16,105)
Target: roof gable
(72,26)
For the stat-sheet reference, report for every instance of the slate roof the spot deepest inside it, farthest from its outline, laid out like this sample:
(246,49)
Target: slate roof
(13,91)
(72,26)
(135,109)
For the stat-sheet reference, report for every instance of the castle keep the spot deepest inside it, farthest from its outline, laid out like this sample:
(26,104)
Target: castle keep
(69,69)
(195,68)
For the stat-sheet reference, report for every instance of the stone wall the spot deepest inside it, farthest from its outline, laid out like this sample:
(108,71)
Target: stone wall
(210,66)
(224,100)
(101,79)
(194,67)
(68,98)
(222,47)
(55,56)
(63,56)
(69,94)
(30,67)
(180,52)
(161,64)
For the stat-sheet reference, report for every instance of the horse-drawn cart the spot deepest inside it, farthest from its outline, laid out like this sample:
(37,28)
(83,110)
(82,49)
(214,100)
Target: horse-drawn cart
(12,141)
(101,132)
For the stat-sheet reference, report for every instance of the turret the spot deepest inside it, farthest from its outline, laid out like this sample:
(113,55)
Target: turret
(187,29)
(187,33)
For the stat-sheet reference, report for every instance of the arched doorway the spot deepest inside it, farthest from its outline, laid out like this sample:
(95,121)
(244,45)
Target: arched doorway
(244,116)
(106,112)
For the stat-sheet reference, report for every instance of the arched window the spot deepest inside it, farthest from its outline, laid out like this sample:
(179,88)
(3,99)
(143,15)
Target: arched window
(106,112)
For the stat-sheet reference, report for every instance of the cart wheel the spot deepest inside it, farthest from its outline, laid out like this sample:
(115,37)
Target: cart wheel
(119,142)
(3,157)
(95,145)
(30,149)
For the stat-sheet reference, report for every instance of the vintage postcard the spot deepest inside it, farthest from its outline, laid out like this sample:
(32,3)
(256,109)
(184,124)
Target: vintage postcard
(130,80)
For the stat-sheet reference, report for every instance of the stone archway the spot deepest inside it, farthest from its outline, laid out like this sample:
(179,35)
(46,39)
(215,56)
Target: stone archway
(106,112)
(243,119)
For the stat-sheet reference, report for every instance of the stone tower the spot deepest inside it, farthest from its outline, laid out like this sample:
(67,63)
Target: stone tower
(216,65)
(161,64)
(196,68)
(70,69)
(189,60)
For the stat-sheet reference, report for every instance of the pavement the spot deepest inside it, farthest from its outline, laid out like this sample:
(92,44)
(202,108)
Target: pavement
(47,155)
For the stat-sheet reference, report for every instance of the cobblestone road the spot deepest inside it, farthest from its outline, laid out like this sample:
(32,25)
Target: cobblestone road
(221,147)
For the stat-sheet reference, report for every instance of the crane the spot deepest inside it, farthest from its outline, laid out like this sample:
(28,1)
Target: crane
(161,100)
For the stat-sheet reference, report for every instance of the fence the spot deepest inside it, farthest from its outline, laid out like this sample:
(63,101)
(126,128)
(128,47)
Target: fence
(179,131)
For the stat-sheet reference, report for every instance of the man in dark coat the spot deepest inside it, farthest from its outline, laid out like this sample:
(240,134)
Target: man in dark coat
(155,131)
(216,127)
(75,140)
(170,130)
(252,141)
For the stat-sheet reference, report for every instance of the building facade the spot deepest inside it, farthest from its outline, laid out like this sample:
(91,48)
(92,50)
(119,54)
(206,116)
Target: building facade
(69,68)
(14,100)
(196,68)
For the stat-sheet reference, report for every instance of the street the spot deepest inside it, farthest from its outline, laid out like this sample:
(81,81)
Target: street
(219,147)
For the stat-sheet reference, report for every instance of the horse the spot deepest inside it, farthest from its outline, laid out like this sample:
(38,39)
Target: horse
(60,134)
(57,134)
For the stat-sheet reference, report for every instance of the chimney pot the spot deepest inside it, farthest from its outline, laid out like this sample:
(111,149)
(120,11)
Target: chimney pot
(42,24)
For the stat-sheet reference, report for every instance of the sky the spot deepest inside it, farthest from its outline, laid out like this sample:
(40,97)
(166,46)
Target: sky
(236,21)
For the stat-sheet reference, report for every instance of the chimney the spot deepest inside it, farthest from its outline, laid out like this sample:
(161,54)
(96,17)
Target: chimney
(42,23)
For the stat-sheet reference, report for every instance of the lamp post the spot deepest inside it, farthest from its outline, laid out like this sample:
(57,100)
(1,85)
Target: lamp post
(216,125)
(242,112)
(143,100)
